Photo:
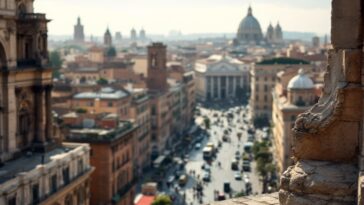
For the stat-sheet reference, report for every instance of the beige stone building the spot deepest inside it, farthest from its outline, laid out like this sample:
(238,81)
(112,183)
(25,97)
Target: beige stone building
(220,77)
(293,94)
(36,167)
(263,79)
(106,100)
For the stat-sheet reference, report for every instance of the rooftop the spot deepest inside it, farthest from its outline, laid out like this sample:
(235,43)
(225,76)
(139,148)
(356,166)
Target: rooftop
(30,161)
(283,61)
(105,93)
(101,135)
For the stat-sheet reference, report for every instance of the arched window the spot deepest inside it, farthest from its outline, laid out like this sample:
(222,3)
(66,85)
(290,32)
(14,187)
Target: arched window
(22,10)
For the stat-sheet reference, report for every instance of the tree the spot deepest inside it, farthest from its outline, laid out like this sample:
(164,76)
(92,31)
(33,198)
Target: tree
(260,122)
(55,62)
(207,122)
(110,52)
(102,81)
(162,200)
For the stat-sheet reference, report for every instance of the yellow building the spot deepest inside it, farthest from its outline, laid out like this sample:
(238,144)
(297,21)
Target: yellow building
(293,94)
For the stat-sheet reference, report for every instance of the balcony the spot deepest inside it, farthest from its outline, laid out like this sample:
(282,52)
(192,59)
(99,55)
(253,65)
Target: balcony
(32,16)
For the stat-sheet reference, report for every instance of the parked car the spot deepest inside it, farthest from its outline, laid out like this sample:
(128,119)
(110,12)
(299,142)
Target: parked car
(246,166)
(206,177)
(234,164)
(237,176)
(246,178)
(198,146)
(227,187)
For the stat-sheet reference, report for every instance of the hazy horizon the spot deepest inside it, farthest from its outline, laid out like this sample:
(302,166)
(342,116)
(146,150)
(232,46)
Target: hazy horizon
(189,17)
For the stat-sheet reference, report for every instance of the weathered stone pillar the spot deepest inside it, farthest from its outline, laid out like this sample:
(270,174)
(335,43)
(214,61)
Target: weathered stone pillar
(48,114)
(326,138)
(38,114)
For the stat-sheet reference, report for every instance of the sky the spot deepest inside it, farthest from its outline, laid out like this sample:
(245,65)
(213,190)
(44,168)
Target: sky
(188,16)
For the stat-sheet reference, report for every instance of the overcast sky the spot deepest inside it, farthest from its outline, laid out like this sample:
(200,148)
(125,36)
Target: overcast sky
(189,16)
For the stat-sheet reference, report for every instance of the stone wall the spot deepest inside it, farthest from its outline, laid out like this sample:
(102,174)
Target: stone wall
(326,138)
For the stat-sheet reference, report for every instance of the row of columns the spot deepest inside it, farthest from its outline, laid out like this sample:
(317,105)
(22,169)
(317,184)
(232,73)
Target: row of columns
(218,79)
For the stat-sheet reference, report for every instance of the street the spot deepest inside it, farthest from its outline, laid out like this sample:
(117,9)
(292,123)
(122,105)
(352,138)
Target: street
(225,155)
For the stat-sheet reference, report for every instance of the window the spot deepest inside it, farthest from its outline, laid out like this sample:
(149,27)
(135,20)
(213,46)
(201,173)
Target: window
(53,184)
(35,193)
(110,104)
(12,201)
(154,137)
(265,88)
(154,110)
(256,87)
(66,176)
(257,97)
(265,98)
(80,166)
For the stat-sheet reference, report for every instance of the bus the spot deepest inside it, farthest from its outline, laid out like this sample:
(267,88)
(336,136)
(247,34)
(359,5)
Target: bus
(207,153)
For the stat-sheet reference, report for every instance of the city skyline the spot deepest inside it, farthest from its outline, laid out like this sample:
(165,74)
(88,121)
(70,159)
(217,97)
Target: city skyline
(161,16)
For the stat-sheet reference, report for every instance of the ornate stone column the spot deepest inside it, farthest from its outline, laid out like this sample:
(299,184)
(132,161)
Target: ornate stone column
(326,138)
(48,114)
(38,114)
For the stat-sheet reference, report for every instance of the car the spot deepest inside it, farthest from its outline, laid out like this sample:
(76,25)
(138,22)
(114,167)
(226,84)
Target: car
(237,176)
(206,177)
(221,196)
(183,180)
(170,179)
(246,178)
(251,138)
(234,164)
(198,146)
(246,166)
(227,187)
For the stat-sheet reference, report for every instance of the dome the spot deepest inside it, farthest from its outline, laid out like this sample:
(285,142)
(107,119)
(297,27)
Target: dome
(301,81)
(249,29)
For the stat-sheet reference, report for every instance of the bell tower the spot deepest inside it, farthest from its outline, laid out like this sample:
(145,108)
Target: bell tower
(157,68)
(26,84)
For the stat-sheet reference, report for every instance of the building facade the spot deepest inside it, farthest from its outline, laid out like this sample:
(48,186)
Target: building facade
(292,96)
(113,181)
(140,113)
(36,167)
(106,100)
(220,77)
(263,79)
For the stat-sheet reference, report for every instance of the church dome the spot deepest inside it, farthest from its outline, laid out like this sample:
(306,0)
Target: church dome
(301,81)
(249,29)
